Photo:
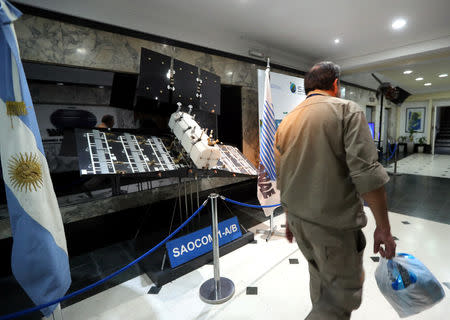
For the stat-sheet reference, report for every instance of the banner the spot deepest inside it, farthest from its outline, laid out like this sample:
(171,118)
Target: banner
(287,93)
(267,191)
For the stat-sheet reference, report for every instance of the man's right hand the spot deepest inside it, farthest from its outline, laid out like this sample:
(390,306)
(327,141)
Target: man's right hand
(384,236)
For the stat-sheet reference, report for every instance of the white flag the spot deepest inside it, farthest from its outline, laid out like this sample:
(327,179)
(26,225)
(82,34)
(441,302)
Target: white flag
(267,191)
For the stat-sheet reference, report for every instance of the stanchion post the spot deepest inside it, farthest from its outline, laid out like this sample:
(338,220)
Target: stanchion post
(216,290)
(395,161)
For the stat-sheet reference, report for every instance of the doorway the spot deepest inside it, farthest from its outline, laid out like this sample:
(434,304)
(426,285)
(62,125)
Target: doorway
(229,122)
(441,134)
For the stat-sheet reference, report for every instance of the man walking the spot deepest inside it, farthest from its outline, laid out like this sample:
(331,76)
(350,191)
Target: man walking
(326,164)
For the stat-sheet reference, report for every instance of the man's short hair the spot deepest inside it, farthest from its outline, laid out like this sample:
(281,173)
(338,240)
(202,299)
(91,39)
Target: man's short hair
(108,119)
(321,76)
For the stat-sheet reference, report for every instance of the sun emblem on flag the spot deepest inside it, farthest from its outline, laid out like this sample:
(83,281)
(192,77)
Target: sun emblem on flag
(25,172)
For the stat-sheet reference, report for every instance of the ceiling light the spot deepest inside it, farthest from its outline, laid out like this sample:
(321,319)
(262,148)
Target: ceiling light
(407,72)
(59,84)
(427,84)
(419,79)
(443,75)
(230,73)
(337,41)
(398,24)
(81,50)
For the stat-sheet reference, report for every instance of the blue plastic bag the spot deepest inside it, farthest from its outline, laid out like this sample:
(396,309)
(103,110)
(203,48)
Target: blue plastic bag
(408,285)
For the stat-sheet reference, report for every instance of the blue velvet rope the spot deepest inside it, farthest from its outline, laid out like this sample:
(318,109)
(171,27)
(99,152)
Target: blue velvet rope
(83,290)
(392,153)
(246,205)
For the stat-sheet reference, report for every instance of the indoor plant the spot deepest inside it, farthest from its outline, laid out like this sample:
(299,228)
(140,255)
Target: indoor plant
(401,144)
(421,144)
(410,144)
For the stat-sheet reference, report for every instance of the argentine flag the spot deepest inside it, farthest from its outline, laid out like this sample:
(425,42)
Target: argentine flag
(267,191)
(39,256)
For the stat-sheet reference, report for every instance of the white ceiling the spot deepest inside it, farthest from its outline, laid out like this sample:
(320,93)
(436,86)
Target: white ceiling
(292,33)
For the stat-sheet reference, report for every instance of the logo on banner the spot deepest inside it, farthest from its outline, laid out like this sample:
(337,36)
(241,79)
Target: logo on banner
(195,244)
(265,185)
(293,87)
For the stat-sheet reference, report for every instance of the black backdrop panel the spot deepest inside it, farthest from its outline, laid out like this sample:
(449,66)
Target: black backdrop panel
(185,82)
(210,90)
(153,81)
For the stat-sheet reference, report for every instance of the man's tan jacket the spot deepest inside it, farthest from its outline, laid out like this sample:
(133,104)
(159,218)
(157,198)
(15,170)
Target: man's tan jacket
(325,159)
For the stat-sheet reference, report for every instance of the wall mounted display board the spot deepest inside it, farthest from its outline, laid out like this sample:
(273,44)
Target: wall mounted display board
(287,93)
(415,119)
(153,76)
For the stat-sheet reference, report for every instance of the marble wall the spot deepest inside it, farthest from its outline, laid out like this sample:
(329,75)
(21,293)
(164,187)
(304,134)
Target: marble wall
(51,41)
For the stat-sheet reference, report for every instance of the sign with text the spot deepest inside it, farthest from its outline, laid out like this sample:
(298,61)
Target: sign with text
(287,93)
(195,244)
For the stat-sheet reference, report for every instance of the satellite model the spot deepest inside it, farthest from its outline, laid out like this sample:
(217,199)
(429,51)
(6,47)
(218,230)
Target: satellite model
(201,148)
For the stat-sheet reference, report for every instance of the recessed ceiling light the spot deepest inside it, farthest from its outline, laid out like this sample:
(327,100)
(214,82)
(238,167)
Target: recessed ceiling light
(81,50)
(337,41)
(427,84)
(407,72)
(398,24)
(419,79)
(443,75)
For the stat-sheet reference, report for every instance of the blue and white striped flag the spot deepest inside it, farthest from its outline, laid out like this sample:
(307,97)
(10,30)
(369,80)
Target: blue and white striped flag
(39,258)
(268,194)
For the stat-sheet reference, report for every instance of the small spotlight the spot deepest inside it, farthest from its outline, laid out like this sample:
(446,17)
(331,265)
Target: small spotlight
(443,75)
(427,84)
(230,73)
(407,72)
(419,79)
(59,84)
(100,87)
(256,54)
(336,41)
(81,50)
(398,24)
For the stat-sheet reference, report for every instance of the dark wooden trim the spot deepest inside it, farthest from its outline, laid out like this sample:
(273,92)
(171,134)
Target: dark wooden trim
(44,13)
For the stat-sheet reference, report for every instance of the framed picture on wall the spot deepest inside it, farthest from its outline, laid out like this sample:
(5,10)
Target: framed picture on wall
(415,119)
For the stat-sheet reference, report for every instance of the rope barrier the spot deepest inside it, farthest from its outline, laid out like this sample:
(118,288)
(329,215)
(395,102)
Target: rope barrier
(393,152)
(83,290)
(246,205)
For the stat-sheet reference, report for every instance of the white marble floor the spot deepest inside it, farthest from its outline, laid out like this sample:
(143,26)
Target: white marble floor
(437,165)
(283,291)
